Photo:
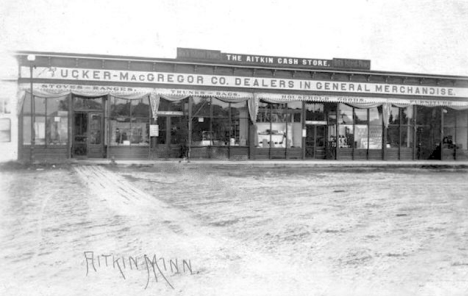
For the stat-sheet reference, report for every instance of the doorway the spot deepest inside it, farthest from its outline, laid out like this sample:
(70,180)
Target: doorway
(171,141)
(88,135)
(315,141)
(428,133)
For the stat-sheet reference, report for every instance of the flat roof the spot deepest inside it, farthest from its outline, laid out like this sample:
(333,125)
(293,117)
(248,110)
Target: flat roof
(178,61)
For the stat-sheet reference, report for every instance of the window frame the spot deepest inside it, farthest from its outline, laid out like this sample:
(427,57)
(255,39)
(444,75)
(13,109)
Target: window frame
(26,113)
(128,107)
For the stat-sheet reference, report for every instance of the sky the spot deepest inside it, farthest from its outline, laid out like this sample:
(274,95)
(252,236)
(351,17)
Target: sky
(415,36)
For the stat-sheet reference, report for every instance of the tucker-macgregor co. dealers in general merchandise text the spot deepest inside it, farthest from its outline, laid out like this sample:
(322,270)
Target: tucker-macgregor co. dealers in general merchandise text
(244,82)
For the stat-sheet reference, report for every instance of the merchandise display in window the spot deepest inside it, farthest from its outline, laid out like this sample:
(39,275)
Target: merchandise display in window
(279,125)
(360,128)
(51,121)
(219,123)
(129,122)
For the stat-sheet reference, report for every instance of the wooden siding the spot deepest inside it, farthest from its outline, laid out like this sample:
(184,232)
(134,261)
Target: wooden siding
(345,154)
(128,152)
(375,154)
(45,153)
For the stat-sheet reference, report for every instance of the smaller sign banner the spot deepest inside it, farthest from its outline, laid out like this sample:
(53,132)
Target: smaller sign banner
(316,122)
(177,92)
(180,113)
(154,130)
(351,64)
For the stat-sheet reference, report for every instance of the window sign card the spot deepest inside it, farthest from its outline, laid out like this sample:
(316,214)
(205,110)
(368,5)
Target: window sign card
(154,130)
(57,119)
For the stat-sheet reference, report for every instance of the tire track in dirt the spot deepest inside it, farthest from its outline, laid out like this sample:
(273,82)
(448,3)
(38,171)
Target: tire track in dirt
(227,266)
(278,222)
(387,220)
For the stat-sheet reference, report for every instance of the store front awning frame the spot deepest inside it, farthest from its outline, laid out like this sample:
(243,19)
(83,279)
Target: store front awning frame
(253,98)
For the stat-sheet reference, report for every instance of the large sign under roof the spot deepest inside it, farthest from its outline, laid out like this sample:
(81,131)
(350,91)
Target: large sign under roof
(224,81)
(52,90)
(204,55)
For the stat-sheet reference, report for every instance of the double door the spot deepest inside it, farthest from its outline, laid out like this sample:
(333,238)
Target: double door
(172,138)
(315,141)
(88,135)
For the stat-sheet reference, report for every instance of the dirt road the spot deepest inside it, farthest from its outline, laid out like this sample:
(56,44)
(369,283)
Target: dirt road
(187,230)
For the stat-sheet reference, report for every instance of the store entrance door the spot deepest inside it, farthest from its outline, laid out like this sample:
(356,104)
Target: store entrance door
(428,133)
(88,135)
(173,135)
(315,141)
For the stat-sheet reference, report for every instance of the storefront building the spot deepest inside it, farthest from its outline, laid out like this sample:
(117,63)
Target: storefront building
(209,104)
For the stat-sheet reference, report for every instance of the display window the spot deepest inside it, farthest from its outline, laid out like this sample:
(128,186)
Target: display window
(294,126)
(449,129)
(279,125)
(40,130)
(219,123)
(461,131)
(400,132)
(51,121)
(220,132)
(129,122)
(239,124)
(394,116)
(346,127)
(210,122)
(393,130)
(202,129)
(407,115)
(360,128)
(263,125)
(407,136)
(375,128)
(393,136)
(331,112)
(57,121)
(455,129)
(272,125)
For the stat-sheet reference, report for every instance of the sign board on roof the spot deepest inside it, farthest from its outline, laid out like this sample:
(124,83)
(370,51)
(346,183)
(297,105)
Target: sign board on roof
(351,64)
(202,55)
